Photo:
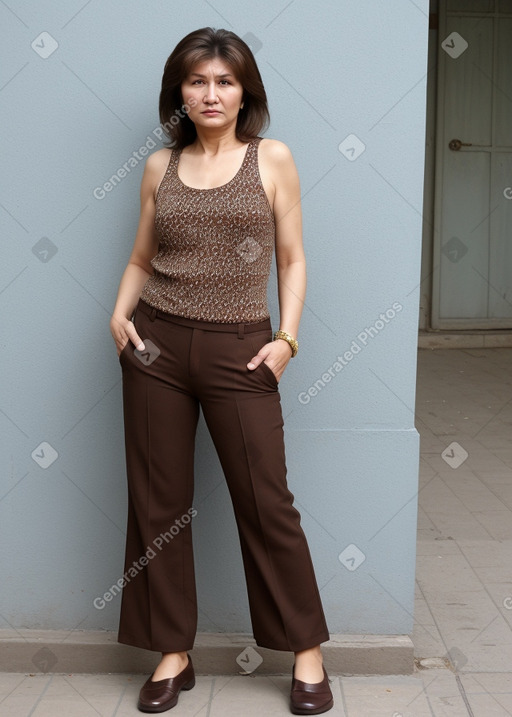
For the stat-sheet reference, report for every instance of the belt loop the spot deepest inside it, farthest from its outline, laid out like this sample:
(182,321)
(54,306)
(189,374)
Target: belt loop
(241,331)
(152,313)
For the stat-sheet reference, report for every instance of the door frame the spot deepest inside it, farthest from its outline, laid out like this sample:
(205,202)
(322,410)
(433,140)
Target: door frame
(461,324)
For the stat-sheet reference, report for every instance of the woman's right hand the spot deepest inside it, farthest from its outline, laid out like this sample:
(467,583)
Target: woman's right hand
(139,267)
(123,330)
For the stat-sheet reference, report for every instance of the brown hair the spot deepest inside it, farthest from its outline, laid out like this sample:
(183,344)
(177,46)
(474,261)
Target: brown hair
(207,44)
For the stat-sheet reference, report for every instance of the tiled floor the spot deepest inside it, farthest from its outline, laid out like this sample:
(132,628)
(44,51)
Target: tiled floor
(464,579)
(464,553)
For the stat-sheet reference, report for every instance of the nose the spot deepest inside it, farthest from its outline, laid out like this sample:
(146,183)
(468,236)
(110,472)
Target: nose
(211,95)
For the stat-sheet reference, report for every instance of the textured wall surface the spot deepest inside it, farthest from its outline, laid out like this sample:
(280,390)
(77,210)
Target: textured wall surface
(346,88)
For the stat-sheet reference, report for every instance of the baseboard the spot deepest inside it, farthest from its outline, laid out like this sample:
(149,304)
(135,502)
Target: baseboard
(64,652)
(464,339)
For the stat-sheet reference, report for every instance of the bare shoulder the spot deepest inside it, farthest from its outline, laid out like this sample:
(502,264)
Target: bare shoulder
(277,168)
(155,168)
(275,152)
(158,160)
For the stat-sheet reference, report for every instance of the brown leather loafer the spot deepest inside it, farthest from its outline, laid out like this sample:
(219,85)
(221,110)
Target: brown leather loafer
(161,695)
(310,699)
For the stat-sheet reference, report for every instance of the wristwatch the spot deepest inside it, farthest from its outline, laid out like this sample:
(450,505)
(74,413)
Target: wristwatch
(294,344)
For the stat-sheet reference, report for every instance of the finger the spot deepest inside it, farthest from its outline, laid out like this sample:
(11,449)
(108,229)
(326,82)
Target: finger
(139,343)
(134,337)
(120,346)
(255,362)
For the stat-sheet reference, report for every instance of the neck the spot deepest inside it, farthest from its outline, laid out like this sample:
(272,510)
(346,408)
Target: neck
(213,141)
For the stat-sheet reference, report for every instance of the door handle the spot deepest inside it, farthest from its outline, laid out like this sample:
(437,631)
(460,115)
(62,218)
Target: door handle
(456,144)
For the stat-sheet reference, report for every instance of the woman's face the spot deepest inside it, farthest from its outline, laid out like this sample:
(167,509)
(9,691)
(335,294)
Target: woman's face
(212,93)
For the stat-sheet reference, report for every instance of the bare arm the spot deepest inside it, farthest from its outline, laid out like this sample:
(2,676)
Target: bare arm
(139,268)
(290,259)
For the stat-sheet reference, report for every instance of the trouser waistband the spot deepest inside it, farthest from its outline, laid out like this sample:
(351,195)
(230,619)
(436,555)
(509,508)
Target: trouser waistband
(234,327)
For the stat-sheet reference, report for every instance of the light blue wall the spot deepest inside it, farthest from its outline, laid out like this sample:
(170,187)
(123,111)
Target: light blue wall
(68,123)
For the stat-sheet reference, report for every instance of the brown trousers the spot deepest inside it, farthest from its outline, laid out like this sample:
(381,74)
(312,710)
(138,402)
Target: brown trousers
(188,364)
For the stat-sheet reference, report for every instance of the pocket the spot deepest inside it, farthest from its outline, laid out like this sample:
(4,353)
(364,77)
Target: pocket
(123,350)
(258,340)
(266,368)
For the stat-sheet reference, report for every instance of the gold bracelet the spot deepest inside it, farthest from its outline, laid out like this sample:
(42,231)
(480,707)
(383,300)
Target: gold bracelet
(294,344)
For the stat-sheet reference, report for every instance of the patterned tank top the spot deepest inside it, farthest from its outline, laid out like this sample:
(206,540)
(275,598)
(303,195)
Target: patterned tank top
(215,246)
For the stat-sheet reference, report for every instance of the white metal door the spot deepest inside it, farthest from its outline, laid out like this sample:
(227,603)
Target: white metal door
(472,277)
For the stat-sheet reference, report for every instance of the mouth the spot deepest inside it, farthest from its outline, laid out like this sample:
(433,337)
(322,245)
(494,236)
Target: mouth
(210,112)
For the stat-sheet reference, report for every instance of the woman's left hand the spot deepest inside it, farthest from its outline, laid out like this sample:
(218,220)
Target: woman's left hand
(275,354)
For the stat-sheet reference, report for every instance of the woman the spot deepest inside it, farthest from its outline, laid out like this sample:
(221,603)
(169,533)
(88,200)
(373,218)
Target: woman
(192,328)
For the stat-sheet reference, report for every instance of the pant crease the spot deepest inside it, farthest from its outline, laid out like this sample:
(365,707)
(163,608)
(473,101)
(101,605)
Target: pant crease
(277,602)
(148,512)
